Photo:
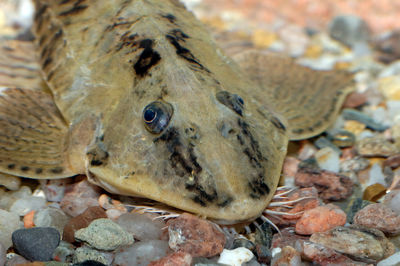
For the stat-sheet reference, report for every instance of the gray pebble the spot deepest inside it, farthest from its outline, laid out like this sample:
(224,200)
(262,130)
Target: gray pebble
(349,30)
(104,234)
(36,244)
(51,217)
(351,114)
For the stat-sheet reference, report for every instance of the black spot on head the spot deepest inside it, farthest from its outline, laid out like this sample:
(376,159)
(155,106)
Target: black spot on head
(98,154)
(24,168)
(77,8)
(57,170)
(11,166)
(39,170)
(277,123)
(232,101)
(171,18)
(147,59)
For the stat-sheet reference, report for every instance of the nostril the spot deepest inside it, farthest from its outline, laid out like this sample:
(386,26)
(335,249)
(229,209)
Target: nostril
(226,129)
(192,131)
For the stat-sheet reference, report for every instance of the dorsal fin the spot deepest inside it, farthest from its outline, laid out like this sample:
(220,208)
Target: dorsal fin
(310,100)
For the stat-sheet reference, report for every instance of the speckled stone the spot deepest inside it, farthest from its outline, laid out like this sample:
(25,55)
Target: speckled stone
(85,253)
(196,236)
(81,221)
(177,258)
(364,244)
(104,234)
(330,186)
(378,216)
(375,147)
(320,219)
(36,244)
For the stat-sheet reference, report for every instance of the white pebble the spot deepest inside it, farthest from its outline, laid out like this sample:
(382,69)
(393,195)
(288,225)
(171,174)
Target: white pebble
(393,260)
(328,159)
(235,257)
(9,222)
(142,253)
(376,175)
(25,205)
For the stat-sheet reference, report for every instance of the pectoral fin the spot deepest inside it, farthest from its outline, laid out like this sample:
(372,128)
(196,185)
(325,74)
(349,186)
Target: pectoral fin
(33,134)
(309,100)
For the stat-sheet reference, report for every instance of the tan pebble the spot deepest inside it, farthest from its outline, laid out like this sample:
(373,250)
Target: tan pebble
(354,127)
(263,39)
(107,202)
(28,219)
(390,87)
(376,147)
(320,219)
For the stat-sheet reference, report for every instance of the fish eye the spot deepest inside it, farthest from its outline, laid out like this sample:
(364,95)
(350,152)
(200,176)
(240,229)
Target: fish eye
(156,116)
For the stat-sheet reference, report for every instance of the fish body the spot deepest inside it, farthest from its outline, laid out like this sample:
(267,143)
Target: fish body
(136,95)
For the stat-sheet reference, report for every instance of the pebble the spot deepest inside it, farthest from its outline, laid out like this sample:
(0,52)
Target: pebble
(287,237)
(3,253)
(343,139)
(321,255)
(79,196)
(141,253)
(104,234)
(87,263)
(11,182)
(15,260)
(392,200)
(263,236)
(354,165)
(330,186)
(36,244)
(8,198)
(178,258)
(354,100)
(9,222)
(235,257)
(51,217)
(328,159)
(290,166)
(24,205)
(392,161)
(286,256)
(388,47)
(349,30)
(393,260)
(196,236)
(141,226)
(376,147)
(263,254)
(376,175)
(54,189)
(390,87)
(88,254)
(379,216)
(361,243)
(81,221)
(351,114)
(64,251)
(243,242)
(320,219)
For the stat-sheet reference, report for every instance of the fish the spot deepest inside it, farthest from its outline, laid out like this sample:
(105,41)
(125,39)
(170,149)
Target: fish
(137,95)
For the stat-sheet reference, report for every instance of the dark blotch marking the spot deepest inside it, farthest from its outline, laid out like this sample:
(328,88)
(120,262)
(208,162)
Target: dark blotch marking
(25,168)
(39,170)
(175,37)
(57,170)
(147,59)
(232,101)
(77,8)
(128,40)
(98,154)
(277,123)
(11,166)
(171,18)
(47,62)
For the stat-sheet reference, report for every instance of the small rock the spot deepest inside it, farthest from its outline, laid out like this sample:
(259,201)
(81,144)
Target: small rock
(290,166)
(235,257)
(376,176)
(243,242)
(392,162)
(392,200)
(328,159)
(141,226)
(178,258)
(54,189)
(330,186)
(364,244)
(286,256)
(88,263)
(376,147)
(3,253)
(264,254)
(36,244)
(27,204)
(15,260)
(349,30)
(10,181)
(63,252)
(81,221)
(196,236)
(354,100)
(288,237)
(379,216)
(51,217)
(393,260)
(79,196)
(321,255)
(141,253)
(88,254)
(374,192)
(8,198)
(351,114)
(354,165)
(390,87)
(388,47)
(9,222)
(320,219)
(343,139)
(104,234)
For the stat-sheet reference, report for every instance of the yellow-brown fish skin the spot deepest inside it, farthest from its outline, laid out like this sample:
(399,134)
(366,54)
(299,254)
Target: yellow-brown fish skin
(155,109)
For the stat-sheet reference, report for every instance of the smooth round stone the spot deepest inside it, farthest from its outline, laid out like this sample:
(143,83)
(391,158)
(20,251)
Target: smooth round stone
(328,159)
(142,253)
(141,226)
(343,139)
(36,244)
(235,257)
(9,222)
(85,254)
(104,234)
(25,205)
(349,30)
(51,217)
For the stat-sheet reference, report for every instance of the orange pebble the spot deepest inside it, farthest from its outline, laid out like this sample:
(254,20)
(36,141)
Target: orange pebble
(28,219)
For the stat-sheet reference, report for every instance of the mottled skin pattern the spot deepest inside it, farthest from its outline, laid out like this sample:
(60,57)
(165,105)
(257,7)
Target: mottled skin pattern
(221,153)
